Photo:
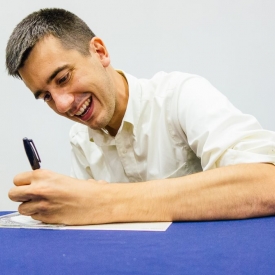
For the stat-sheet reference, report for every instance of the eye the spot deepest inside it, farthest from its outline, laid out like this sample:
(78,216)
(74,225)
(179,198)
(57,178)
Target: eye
(63,79)
(47,97)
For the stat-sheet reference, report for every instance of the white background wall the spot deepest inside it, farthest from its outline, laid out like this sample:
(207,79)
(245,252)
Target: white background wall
(230,42)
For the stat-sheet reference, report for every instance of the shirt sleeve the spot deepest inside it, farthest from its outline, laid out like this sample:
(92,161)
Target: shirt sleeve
(219,133)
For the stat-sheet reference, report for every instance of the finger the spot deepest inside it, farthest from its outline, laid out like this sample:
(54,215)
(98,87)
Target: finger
(27,208)
(45,214)
(20,193)
(23,178)
(46,218)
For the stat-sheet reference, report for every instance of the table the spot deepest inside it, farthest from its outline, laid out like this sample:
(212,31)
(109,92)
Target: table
(216,247)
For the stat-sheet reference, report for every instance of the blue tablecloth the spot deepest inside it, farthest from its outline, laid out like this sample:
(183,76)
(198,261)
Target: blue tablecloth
(217,247)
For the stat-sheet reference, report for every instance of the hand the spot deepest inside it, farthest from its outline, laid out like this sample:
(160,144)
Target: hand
(55,198)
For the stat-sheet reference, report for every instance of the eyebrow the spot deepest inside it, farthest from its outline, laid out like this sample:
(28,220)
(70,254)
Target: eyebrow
(50,78)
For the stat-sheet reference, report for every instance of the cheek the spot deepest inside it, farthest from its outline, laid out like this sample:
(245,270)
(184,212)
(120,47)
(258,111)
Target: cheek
(82,81)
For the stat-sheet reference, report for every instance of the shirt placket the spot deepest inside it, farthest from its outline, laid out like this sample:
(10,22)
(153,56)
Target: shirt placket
(125,150)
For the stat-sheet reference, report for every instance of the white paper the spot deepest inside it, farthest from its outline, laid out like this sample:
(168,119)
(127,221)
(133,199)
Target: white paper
(16,220)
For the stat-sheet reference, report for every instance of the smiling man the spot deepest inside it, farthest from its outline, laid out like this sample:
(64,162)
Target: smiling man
(165,149)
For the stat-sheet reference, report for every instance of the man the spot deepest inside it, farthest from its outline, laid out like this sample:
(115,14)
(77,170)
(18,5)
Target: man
(167,149)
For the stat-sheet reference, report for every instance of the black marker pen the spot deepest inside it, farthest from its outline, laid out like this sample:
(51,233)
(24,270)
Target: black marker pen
(32,153)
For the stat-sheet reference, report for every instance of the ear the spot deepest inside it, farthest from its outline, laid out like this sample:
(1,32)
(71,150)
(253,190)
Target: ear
(97,46)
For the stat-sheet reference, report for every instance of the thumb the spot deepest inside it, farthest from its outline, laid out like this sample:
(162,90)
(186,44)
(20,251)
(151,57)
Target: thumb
(23,178)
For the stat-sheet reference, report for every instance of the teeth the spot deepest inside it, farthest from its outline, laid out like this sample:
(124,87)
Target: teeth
(83,107)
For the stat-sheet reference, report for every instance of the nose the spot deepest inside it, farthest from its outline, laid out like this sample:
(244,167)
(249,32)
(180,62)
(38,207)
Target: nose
(63,101)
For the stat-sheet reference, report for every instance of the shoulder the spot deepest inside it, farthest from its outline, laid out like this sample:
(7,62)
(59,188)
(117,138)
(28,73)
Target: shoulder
(182,84)
(162,76)
(175,82)
(174,77)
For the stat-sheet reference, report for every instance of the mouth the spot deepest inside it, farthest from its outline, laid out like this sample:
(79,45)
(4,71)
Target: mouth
(84,109)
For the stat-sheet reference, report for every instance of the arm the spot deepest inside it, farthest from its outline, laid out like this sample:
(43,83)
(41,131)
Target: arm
(233,192)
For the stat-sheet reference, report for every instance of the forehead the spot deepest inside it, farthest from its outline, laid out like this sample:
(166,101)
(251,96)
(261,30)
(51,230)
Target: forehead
(44,48)
(46,56)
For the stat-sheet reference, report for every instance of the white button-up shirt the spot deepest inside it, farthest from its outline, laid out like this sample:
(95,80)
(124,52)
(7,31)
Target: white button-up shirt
(175,124)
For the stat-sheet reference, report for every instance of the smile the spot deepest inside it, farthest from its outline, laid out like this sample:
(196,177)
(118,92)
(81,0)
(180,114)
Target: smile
(84,108)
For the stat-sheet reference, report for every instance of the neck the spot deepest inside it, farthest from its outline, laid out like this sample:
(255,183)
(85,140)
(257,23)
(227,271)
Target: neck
(122,96)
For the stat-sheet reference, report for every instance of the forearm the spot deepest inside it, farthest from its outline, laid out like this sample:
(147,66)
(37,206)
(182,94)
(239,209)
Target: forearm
(232,192)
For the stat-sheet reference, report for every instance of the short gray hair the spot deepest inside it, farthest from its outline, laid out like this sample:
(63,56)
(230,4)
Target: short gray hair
(72,31)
